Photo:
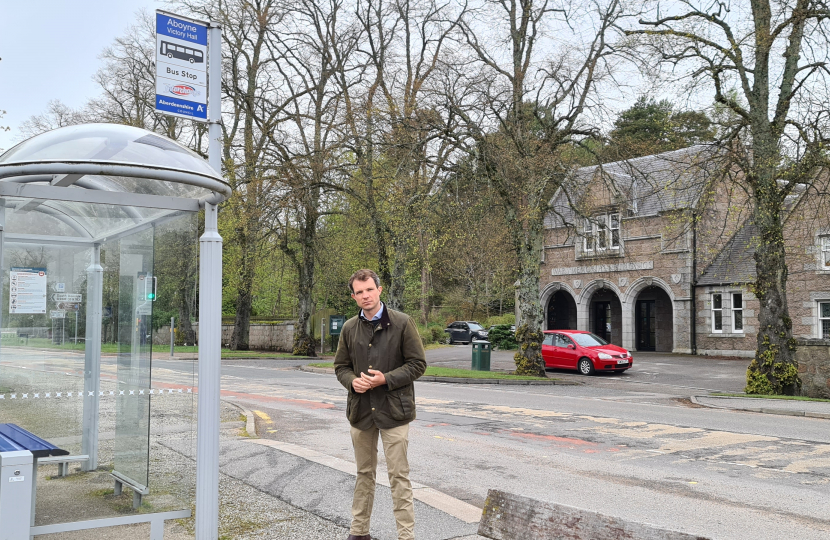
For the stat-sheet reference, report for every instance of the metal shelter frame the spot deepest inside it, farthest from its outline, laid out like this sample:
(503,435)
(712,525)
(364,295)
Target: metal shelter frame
(43,186)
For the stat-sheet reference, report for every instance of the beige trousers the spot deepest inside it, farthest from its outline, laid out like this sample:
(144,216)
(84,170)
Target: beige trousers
(395,444)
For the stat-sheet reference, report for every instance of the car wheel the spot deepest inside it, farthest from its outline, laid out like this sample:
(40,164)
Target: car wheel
(586,367)
(451,341)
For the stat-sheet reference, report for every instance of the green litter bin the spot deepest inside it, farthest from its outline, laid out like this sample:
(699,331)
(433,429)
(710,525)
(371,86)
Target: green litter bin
(481,356)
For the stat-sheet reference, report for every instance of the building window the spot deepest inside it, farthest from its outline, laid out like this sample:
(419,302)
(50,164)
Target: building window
(615,231)
(824,319)
(717,313)
(737,312)
(589,235)
(602,232)
(825,252)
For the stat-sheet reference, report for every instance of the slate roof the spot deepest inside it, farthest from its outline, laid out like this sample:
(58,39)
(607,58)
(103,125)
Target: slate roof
(735,263)
(648,185)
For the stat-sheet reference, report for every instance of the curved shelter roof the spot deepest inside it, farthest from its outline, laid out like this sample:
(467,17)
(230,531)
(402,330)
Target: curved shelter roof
(88,182)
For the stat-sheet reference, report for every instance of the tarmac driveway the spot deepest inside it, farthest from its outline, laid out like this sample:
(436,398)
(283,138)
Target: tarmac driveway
(677,370)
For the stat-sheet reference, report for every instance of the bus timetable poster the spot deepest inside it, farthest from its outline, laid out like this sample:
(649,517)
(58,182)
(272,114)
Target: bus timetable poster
(27,290)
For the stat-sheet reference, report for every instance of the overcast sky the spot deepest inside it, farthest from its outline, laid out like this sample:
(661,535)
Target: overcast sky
(49,50)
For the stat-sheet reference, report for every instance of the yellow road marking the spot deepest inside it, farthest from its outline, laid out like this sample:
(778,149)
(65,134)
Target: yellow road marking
(263,416)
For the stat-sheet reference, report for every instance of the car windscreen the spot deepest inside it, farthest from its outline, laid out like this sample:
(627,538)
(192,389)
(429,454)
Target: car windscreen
(475,326)
(588,340)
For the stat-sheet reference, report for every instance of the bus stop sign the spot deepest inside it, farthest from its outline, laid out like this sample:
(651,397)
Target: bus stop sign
(181,66)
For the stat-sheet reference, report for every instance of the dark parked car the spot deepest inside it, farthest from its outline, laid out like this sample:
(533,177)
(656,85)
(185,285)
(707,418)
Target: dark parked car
(465,332)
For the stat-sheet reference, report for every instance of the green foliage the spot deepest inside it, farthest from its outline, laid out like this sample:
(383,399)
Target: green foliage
(508,318)
(431,333)
(767,375)
(651,127)
(502,337)
(438,334)
(161,317)
(426,335)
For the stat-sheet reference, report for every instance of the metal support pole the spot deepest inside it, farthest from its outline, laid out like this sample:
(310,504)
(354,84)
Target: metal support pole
(210,320)
(92,358)
(210,331)
(172,334)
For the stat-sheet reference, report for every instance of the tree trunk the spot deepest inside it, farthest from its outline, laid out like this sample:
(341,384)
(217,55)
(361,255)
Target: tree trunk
(188,335)
(303,335)
(242,321)
(424,282)
(397,287)
(529,323)
(774,369)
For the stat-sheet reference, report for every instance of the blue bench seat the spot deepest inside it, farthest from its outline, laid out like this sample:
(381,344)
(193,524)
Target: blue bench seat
(15,438)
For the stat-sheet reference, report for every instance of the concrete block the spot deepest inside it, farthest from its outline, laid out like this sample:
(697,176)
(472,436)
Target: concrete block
(512,517)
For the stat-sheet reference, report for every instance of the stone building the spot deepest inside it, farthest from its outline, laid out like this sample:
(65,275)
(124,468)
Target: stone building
(658,256)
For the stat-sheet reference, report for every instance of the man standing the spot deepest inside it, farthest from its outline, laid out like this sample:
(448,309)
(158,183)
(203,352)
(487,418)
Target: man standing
(379,357)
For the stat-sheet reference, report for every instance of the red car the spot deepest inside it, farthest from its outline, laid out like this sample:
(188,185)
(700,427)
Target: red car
(583,351)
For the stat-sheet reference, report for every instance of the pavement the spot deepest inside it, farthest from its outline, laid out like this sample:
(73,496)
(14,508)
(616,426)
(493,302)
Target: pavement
(784,407)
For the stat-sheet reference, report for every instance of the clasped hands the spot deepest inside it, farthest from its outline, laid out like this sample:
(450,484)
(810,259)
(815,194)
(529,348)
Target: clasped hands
(367,382)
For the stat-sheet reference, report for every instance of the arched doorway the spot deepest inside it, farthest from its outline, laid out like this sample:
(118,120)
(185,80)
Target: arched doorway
(561,311)
(653,320)
(605,316)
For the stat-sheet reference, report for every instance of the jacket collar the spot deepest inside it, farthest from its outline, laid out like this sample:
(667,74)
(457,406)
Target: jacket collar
(384,321)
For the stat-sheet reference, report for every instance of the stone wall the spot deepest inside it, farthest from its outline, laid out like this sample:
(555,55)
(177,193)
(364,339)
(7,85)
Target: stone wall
(813,358)
(263,337)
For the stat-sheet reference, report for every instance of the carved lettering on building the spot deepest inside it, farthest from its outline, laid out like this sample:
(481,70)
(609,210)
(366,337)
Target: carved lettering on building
(603,268)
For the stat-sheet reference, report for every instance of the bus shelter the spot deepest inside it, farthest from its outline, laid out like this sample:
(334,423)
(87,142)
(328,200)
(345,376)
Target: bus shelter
(98,246)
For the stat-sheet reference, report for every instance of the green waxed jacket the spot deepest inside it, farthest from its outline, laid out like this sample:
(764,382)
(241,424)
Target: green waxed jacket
(394,348)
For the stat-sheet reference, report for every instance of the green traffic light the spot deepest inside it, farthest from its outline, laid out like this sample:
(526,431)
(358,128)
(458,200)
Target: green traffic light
(151,296)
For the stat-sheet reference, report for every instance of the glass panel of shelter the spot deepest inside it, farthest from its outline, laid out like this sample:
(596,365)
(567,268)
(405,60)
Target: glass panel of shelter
(136,284)
(45,365)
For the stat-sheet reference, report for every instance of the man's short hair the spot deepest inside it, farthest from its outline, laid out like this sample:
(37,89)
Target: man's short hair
(363,275)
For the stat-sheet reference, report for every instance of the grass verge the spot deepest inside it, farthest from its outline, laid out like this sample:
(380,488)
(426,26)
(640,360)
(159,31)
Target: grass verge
(761,396)
(458,373)
(227,353)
